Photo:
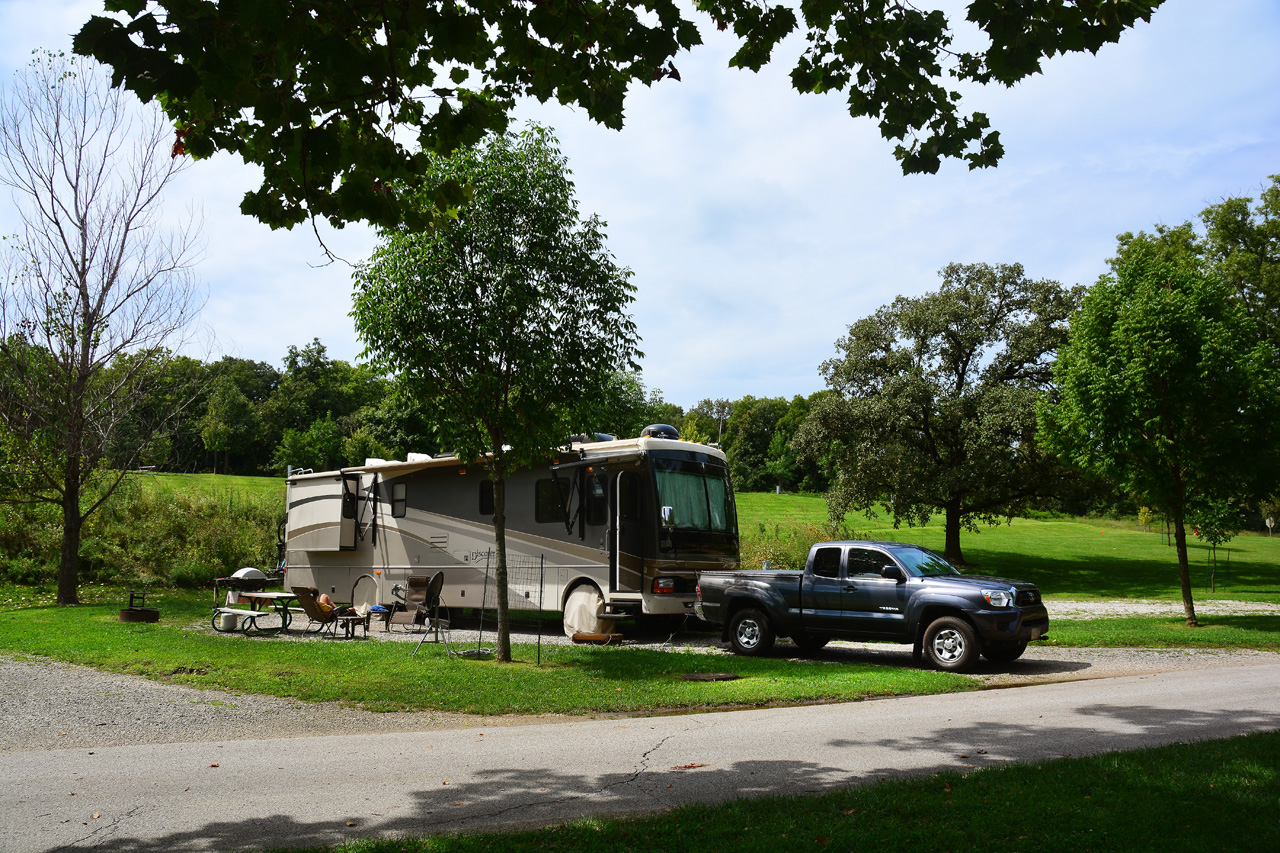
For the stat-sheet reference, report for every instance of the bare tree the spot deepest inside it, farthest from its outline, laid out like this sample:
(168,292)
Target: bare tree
(95,289)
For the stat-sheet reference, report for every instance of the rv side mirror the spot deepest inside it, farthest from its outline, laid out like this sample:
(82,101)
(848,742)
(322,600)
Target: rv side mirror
(892,572)
(666,514)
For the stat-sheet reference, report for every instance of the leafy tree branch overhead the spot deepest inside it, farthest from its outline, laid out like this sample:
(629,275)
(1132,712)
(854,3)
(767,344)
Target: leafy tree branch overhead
(338,100)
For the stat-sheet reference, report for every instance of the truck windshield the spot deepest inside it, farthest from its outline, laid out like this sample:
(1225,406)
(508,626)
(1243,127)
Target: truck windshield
(698,493)
(923,562)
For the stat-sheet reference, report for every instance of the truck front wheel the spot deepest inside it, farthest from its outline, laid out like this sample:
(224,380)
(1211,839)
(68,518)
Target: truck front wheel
(749,633)
(951,644)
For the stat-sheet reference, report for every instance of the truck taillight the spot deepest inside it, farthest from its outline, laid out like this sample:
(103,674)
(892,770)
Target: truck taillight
(664,586)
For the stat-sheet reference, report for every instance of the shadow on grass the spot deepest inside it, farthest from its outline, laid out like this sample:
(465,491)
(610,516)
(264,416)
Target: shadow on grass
(1121,577)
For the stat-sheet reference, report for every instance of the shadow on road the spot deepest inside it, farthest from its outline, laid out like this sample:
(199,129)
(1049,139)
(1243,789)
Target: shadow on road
(514,795)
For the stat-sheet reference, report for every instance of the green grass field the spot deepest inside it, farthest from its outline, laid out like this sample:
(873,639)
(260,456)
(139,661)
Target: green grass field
(256,488)
(1066,557)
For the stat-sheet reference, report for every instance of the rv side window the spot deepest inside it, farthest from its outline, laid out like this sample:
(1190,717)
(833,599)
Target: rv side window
(597,500)
(486,497)
(549,501)
(398,501)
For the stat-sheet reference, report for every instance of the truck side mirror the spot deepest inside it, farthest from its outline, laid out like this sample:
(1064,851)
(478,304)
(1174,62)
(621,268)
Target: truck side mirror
(892,572)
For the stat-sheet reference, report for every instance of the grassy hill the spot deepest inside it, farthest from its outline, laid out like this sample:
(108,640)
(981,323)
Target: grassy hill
(215,485)
(1075,557)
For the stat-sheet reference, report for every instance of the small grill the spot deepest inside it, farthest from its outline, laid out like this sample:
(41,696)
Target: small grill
(247,579)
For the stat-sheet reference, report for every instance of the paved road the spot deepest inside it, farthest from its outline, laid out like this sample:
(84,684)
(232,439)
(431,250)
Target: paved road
(306,791)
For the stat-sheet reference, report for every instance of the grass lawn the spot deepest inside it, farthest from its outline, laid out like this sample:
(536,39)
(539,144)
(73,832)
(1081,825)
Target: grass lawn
(1213,795)
(381,676)
(1255,631)
(1066,557)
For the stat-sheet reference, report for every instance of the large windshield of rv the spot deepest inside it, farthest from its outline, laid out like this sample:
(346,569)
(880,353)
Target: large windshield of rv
(698,494)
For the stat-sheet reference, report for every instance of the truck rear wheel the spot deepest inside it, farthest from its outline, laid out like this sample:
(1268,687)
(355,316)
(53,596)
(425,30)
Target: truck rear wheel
(951,644)
(749,633)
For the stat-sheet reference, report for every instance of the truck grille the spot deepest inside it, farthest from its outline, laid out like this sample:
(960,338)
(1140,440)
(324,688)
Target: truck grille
(1027,596)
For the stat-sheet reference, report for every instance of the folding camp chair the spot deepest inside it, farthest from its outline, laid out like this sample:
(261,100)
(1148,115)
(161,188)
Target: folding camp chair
(409,615)
(364,595)
(428,608)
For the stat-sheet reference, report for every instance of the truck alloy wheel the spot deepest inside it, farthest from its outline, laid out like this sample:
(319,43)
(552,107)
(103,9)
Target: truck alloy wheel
(749,633)
(951,644)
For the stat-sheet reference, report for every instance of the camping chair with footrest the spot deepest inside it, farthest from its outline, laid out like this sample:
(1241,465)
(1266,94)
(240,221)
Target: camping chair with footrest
(322,620)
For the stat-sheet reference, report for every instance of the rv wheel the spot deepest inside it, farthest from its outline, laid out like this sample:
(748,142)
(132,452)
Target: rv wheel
(582,612)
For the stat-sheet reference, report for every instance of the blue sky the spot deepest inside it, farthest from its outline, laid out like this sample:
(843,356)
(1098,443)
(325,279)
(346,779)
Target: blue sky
(761,223)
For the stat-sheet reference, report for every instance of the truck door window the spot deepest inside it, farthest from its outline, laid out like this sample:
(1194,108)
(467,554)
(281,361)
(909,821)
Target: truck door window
(863,563)
(826,563)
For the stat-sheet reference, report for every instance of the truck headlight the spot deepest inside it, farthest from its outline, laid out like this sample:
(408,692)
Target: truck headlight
(998,597)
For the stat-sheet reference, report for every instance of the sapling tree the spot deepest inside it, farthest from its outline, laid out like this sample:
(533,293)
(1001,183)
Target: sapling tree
(509,323)
(1166,389)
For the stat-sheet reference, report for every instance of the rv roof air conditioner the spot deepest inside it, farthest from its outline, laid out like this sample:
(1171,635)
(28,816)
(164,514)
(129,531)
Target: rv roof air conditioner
(660,431)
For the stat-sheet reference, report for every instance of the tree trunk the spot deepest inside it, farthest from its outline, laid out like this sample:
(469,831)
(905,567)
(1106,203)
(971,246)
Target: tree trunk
(952,549)
(1184,569)
(500,578)
(69,564)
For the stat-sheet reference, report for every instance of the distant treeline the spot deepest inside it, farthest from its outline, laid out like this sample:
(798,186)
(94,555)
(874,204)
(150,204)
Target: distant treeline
(247,417)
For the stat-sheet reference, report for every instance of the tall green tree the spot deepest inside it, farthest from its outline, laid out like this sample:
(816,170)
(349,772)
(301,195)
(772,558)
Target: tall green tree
(748,434)
(790,467)
(1166,389)
(97,278)
(227,423)
(338,100)
(509,322)
(932,401)
(1242,245)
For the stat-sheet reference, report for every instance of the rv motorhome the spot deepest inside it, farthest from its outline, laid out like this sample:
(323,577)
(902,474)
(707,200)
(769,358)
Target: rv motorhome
(622,526)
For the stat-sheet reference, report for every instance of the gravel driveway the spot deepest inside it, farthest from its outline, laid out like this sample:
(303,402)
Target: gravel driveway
(49,705)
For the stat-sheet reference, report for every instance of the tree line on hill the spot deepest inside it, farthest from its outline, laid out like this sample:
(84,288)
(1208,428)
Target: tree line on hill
(241,416)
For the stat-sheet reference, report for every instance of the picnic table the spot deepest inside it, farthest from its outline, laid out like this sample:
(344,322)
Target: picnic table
(265,613)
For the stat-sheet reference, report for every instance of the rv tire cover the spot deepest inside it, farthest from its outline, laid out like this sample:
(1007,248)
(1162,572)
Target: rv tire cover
(582,612)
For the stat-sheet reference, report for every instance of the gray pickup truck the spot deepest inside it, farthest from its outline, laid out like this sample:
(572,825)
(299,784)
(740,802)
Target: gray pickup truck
(876,591)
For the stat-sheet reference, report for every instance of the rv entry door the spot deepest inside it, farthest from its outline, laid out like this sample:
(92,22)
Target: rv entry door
(626,562)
